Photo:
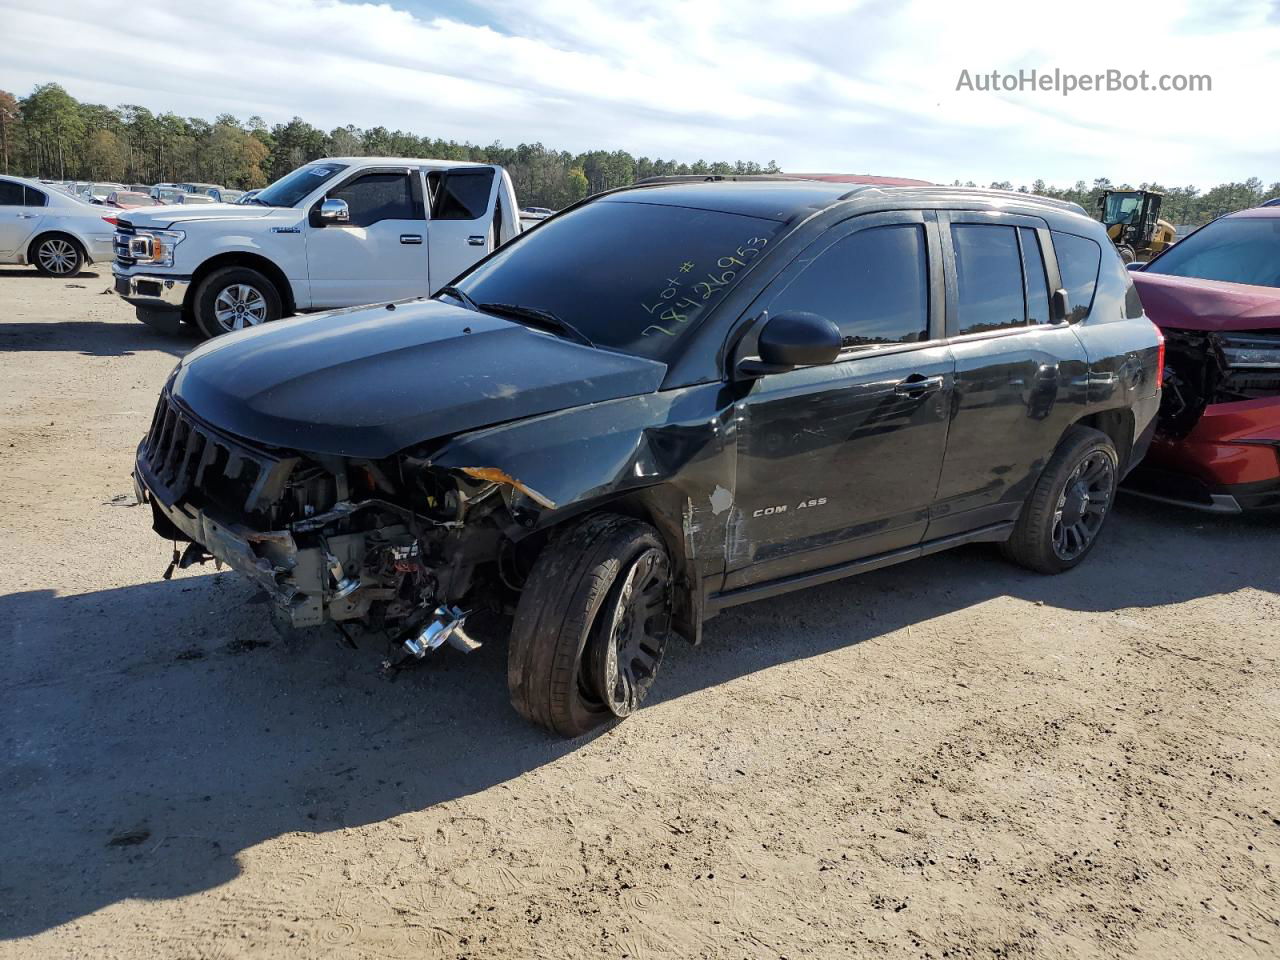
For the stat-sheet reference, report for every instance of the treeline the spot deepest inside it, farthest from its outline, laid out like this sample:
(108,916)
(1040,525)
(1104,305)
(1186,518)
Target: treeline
(51,134)
(1181,205)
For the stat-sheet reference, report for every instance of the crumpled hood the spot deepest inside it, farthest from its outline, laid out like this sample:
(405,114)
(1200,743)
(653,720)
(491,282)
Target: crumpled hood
(163,216)
(1188,303)
(371,381)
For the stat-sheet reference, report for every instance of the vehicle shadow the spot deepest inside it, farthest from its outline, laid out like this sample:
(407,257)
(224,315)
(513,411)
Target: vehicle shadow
(36,274)
(92,338)
(153,733)
(1150,555)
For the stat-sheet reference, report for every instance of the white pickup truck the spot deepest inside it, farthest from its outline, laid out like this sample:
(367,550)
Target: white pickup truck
(333,233)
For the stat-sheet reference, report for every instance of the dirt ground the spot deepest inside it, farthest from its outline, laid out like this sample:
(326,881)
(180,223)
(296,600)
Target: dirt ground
(948,759)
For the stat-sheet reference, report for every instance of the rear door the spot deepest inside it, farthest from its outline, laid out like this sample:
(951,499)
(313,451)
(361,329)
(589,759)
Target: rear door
(21,210)
(462,229)
(1021,374)
(380,253)
(841,461)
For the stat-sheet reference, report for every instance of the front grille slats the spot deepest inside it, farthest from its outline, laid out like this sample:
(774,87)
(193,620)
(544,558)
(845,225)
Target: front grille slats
(207,457)
(189,461)
(120,244)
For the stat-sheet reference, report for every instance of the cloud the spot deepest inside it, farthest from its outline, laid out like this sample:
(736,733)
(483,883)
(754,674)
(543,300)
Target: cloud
(850,85)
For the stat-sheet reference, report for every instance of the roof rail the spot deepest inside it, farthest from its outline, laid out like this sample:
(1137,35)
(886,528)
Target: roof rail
(1070,205)
(712,178)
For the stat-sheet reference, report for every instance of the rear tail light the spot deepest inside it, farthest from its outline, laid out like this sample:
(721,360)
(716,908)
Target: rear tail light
(1159,356)
(114,221)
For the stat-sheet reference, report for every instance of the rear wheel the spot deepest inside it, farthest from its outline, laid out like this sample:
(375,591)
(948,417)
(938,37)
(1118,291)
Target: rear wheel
(1061,520)
(233,298)
(57,255)
(591,626)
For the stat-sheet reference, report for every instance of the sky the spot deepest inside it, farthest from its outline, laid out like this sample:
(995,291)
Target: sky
(851,86)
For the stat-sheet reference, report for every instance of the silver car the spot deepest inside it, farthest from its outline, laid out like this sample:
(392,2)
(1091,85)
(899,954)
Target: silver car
(56,233)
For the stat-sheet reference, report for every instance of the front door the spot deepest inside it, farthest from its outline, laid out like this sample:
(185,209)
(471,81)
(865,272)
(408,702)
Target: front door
(381,252)
(841,461)
(463,200)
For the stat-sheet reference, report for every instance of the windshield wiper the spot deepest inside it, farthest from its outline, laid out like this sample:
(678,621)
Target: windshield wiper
(452,291)
(541,318)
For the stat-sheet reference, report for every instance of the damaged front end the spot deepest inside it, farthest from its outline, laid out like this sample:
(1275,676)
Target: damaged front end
(1207,367)
(395,544)
(1217,446)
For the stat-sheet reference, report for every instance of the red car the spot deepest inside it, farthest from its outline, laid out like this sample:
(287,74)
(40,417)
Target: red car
(1216,298)
(128,199)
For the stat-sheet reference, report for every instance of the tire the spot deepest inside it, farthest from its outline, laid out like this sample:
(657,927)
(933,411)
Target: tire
(57,255)
(1127,254)
(591,625)
(1074,493)
(232,298)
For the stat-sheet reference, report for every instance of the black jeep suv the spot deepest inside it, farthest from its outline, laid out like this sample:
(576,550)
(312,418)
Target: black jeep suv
(661,402)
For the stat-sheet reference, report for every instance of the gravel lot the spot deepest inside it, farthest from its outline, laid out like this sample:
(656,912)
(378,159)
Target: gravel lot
(951,758)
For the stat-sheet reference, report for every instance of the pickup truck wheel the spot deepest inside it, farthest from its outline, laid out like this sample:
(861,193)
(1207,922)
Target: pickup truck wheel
(57,255)
(591,626)
(233,298)
(1062,518)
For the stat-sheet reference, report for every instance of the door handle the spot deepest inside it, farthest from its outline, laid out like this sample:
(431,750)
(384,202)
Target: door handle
(476,241)
(27,216)
(410,238)
(917,385)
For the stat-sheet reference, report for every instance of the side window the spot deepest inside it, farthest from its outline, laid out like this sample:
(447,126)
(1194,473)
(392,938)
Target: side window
(873,284)
(461,195)
(378,196)
(989,268)
(1078,261)
(1037,281)
(10,194)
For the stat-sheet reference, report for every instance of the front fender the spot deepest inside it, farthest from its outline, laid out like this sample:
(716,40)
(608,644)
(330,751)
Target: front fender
(282,243)
(671,453)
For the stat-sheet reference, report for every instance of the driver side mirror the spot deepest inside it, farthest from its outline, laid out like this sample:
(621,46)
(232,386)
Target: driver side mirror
(792,340)
(334,211)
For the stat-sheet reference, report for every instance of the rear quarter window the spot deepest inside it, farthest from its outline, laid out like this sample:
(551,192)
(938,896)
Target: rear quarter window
(1078,261)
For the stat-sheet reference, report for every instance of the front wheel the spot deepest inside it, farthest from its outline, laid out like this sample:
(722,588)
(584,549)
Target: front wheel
(1061,520)
(234,298)
(57,256)
(591,626)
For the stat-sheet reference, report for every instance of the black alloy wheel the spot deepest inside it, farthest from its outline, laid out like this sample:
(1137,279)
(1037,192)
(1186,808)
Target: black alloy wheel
(1083,504)
(630,636)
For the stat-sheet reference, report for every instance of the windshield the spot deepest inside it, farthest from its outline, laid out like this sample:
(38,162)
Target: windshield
(292,187)
(1121,208)
(1235,249)
(627,275)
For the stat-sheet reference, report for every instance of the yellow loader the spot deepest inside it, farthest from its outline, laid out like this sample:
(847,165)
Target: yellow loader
(1132,219)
